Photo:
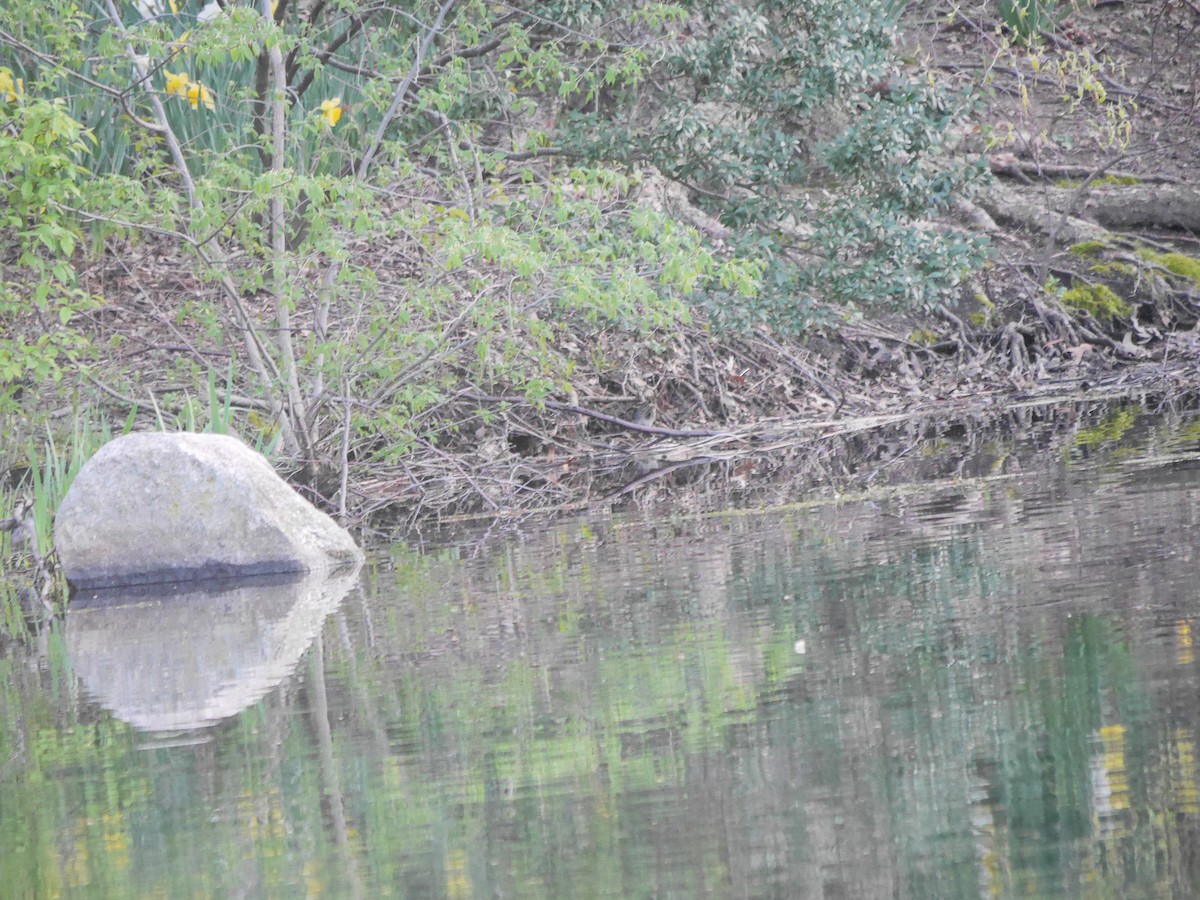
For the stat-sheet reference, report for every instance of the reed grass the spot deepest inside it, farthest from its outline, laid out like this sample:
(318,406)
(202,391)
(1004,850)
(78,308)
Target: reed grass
(1028,20)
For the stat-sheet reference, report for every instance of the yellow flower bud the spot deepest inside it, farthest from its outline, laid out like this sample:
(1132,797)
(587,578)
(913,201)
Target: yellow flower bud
(331,111)
(177,83)
(198,93)
(9,89)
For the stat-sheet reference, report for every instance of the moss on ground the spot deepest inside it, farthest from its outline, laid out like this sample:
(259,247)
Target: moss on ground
(1183,265)
(1097,300)
(1088,248)
(923,337)
(1112,269)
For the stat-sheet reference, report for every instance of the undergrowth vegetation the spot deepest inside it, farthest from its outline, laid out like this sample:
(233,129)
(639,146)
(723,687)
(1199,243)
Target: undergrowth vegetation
(380,206)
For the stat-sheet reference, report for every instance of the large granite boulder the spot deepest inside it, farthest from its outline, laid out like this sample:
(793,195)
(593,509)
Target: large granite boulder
(153,508)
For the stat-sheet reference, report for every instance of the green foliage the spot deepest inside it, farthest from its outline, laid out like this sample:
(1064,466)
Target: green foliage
(52,464)
(40,145)
(53,477)
(1081,82)
(820,184)
(788,122)
(538,255)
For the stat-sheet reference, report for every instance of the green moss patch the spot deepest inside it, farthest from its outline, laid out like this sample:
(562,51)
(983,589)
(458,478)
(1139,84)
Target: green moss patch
(923,337)
(1088,248)
(1182,264)
(1102,181)
(1097,300)
(1177,263)
(1112,269)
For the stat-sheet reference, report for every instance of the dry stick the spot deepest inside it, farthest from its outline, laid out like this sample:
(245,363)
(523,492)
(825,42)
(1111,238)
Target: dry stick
(466,474)
(654,475)
(255,351)
(326,56)
(1048,249)
(837,395)
(401,93)
(596,414)
(1015,166)
(214,232)
(1080,194)
(235,400)
(343,487)
(443,124)
(357,24)
(255,347)
(283,334)
(415,368)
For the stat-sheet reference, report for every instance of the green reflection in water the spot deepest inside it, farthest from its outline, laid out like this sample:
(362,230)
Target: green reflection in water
(990,695)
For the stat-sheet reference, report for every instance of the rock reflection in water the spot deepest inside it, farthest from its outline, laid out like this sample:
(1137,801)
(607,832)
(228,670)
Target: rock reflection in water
(172,658)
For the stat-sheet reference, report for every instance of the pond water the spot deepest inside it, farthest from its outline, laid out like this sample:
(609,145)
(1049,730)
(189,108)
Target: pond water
(985,690)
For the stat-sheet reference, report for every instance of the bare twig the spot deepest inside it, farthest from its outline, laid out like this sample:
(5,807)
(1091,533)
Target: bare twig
(279,256)
(401,93)
(594,414)
(325,291)
(343,487)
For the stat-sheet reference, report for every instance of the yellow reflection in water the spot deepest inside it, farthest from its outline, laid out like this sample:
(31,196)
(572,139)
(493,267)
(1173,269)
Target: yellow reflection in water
(1183,643)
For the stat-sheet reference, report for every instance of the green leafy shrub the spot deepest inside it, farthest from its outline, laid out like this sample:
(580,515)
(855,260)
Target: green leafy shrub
(794,124)
(40,148)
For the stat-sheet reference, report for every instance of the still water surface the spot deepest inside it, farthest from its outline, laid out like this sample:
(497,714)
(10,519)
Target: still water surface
(988,691)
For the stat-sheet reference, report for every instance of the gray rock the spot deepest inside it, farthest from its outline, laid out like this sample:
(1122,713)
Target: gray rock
(152,508)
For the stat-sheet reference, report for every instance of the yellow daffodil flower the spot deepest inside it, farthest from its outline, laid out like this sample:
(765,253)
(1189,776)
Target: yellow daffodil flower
(198,93)
(10,89)
(331,111)
(177,83)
